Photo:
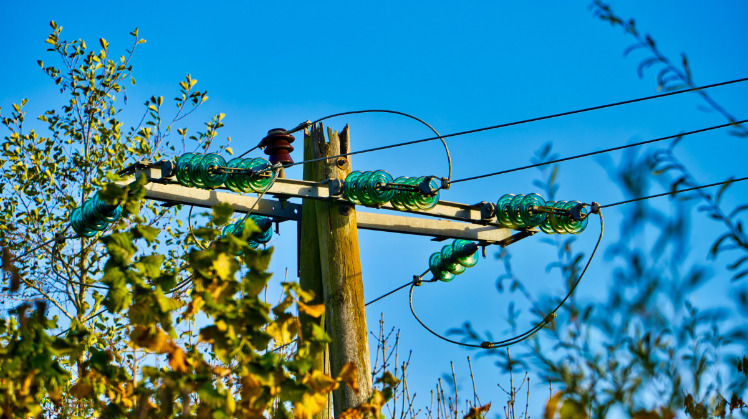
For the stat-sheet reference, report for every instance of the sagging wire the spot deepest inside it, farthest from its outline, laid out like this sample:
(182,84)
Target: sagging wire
(307,124)
(547,319)
(607,150)
(508,124)
(438,136)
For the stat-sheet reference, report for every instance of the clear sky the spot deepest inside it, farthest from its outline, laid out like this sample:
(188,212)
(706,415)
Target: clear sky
(456,65)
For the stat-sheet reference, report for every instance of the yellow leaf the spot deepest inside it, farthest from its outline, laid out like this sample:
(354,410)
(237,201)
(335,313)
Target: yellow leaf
(193,307)
(478,412)
(552,405)
(178,360)
(222,266)
(81,389)
(315,310)
(309,405)
(152,339)
(572,409)
(321,382)
(351,414)
(349,376)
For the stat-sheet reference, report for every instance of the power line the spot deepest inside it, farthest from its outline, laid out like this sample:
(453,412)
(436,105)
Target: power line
(518,338)
(416,279)
(509,124)
(675,192)
(607,150)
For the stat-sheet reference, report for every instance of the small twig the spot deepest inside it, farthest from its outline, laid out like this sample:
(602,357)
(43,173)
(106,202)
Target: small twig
(476,399)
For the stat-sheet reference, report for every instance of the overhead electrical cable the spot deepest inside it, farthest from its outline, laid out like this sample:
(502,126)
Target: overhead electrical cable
(607,150)
(518,338)
(678,191)
(504,125)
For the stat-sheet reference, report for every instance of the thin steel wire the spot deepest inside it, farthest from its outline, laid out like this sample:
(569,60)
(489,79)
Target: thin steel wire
(607,150)
(416,279)
(519,338)
(438,136)
(525,121)
(675,192)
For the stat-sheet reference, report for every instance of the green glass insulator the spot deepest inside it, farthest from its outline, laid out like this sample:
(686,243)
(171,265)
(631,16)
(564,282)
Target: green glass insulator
(436,268)
(397,197)
(264,224)
(502,211)
(228,230)
(263,237)
(238,228)
(466,252)
(545,226)
(242,180)
(79,225)
(208,171)
(426,202)
(374,185)
(259,181)
(182,170)
(571,225)
(349,190)
(557,223)
(361,189)
(529,217)
(105,212)
(233,178)
(410,199)
(193,171)
(449,260)
(514,207)
(91,217)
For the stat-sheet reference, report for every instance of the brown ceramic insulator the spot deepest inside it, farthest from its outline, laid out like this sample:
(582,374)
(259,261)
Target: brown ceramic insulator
(278,146)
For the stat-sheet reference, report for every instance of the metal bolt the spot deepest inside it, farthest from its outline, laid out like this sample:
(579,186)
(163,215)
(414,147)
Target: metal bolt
(346,209)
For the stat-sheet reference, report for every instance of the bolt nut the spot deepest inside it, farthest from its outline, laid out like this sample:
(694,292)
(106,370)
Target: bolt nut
(346,209)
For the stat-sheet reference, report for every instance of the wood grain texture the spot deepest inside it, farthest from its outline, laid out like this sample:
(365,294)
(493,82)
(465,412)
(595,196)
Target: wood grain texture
(341,275)
(310,272)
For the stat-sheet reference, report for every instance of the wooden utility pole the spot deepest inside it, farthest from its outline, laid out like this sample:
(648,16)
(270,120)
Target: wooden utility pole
(337,266)
(329,261)
(310,270)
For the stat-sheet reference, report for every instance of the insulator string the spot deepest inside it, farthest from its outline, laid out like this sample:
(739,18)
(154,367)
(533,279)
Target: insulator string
(518,338)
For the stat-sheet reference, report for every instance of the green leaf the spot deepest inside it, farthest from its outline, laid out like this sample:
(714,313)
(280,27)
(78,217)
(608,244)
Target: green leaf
(222,213)
(145,232)
(258,260)
(120,247)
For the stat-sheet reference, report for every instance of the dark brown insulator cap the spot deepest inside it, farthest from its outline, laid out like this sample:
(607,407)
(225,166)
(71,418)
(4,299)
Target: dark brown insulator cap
(278,146)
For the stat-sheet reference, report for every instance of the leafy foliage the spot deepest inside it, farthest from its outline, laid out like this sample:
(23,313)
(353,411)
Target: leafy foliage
(132,297)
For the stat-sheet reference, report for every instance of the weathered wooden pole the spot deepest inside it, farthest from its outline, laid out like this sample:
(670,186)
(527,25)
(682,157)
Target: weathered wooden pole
(310,271)
(340,266)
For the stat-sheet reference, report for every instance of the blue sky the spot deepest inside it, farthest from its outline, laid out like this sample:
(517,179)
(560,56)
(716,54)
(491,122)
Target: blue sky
(457,66)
